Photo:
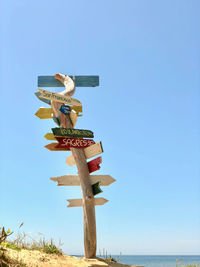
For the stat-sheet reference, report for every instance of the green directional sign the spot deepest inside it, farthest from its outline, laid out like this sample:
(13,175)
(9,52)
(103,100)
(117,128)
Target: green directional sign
(96,188)
(72,132)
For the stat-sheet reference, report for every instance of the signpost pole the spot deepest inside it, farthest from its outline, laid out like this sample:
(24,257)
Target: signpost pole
(87,193)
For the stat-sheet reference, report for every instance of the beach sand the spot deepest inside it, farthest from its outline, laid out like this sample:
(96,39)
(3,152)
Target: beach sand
(34,258)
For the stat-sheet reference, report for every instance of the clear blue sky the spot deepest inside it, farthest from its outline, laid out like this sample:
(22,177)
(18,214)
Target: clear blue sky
(145,112)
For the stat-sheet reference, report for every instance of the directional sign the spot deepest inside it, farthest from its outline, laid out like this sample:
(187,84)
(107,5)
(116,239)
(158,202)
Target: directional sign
(80,81)
(38,94)
(79,202)
(65,142)
(90,152)
(72,132)
(50,136)
(44,113)
(96,188)
(93,165)
(65,109)
(77,109)
(53,147)
(58,98)
(73,180)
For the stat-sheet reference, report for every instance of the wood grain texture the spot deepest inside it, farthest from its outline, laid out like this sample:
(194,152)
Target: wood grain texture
(73,117)
(79,202)
(90,152)
(73,180)
(80,81)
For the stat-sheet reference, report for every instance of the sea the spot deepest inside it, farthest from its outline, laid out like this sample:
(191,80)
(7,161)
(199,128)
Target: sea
(157,260)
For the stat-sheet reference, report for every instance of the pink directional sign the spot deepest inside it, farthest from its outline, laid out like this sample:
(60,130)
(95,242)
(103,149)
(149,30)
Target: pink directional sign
(65,142)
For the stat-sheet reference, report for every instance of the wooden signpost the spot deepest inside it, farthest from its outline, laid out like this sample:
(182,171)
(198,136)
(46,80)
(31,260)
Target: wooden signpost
(82,149)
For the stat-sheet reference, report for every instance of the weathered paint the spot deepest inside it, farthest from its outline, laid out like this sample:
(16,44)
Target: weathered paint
(72,132)
(93,165)
(73,142)
(79,202)
(73,180)
(58,98)
(80,81)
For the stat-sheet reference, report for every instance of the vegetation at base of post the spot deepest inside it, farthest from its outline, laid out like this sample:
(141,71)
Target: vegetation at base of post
(109,258)
(20,242)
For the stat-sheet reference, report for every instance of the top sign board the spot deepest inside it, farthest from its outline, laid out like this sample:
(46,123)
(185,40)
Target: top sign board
(80,81)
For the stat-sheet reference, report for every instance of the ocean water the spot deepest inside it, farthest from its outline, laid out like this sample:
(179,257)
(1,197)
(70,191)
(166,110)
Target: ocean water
(158,261)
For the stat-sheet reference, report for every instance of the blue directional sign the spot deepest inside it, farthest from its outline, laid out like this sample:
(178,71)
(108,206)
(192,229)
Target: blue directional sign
(65,109)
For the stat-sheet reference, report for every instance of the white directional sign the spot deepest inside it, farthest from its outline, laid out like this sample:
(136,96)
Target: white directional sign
(79,202)
(73,180)
(90,152)
(59,98)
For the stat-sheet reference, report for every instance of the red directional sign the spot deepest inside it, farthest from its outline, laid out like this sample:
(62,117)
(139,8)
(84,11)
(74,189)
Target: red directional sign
(93,165)
(65,142)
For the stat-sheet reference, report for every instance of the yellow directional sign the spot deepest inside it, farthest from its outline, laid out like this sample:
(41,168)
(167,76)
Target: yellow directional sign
(44,113)
(50,136)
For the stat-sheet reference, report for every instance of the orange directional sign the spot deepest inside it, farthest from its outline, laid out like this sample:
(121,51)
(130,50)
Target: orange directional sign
(79,202)
(53,147)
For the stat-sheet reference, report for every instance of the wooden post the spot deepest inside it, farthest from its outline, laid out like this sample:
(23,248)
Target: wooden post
(87,194)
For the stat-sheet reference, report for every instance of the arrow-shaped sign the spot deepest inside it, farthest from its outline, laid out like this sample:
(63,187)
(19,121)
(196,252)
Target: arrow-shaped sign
(65,142)
(79,202)
(44,113)
(38,94)
(58,98)
(73,180)
(70,132)
(50,136)
(52,147)
(90,152)
(93,165)
(96,188)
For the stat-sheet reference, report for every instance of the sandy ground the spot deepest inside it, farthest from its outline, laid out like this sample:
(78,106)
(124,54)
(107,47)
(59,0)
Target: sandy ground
(34,258)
